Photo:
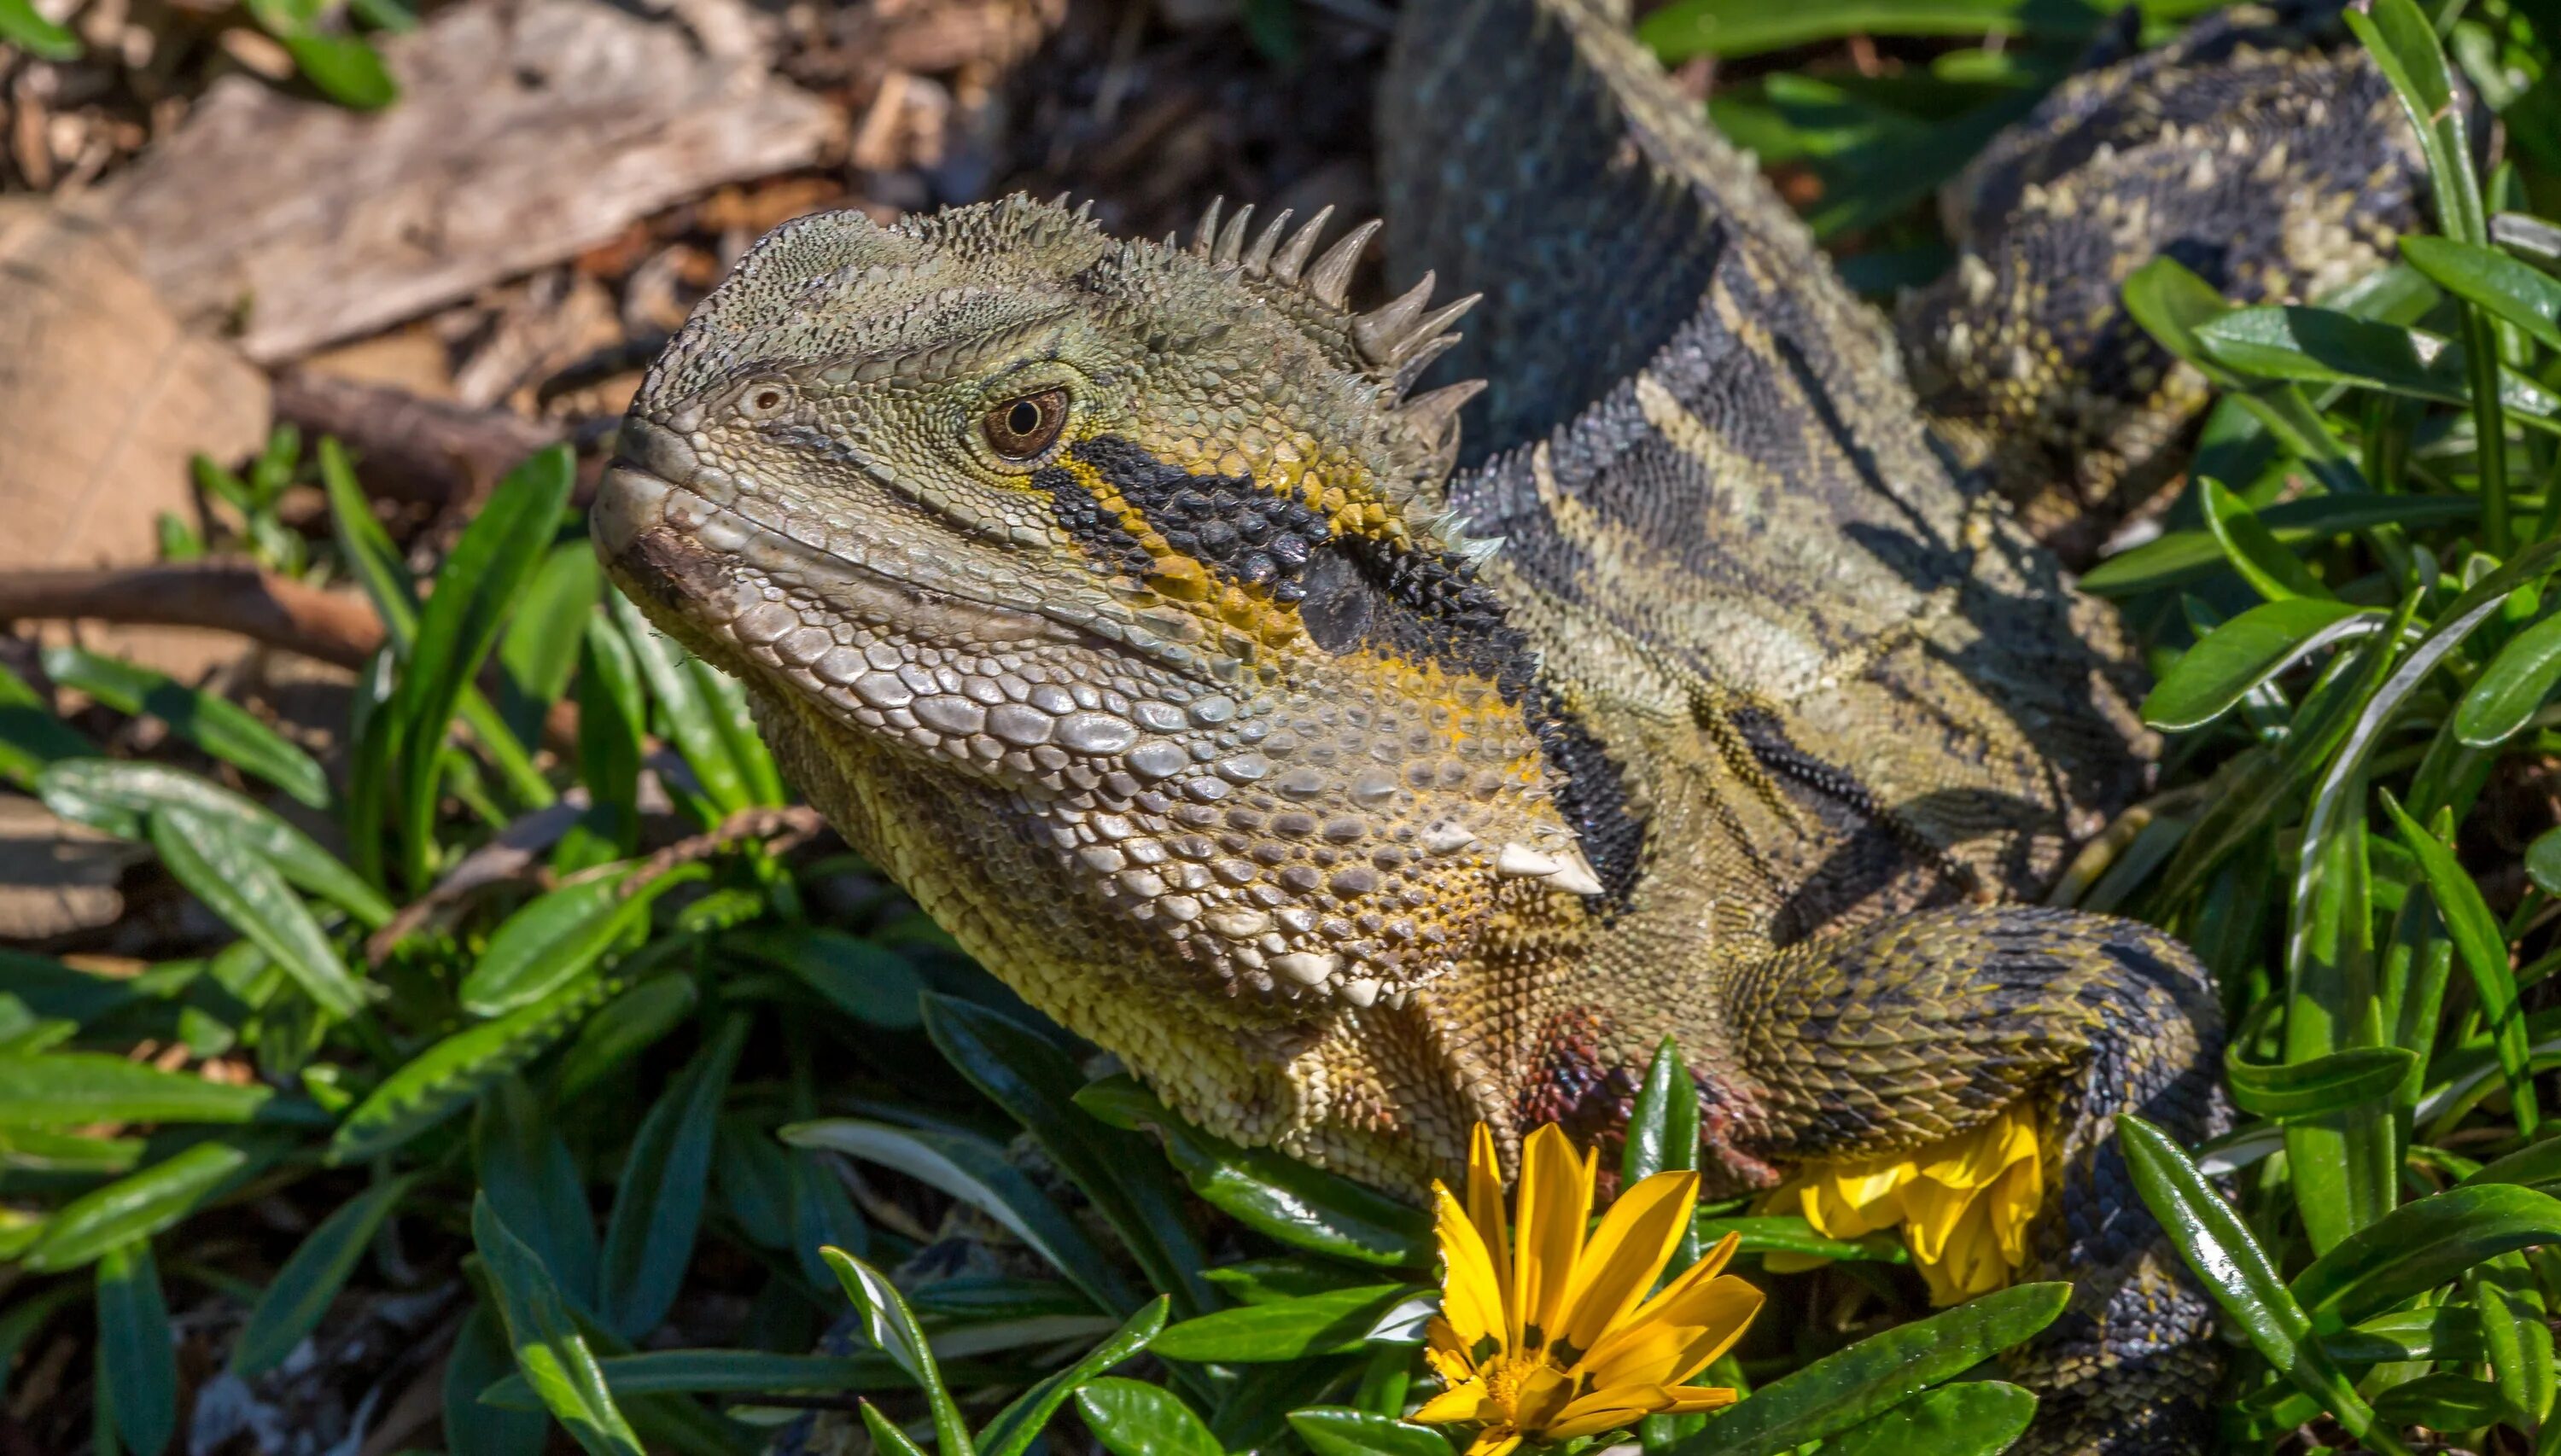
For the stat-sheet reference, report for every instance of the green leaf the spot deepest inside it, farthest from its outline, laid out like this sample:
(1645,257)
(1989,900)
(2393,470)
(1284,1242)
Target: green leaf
(1663,1129)
(1279,1197)
(549,1348)
(93,790)
(344,69)
(1978,1418)
(534,1186)
(480,1357)
(977,1175)
(31,737)
(478,586)
(72,1088)
(2234,1270)
(302,1291)
(367,548)
(613,723)
(540,648)
(2443,1331)
(1788,1233)
(892,1329)
(1016,1426)
(696,1372)
(142,1203)
(1129,1185)
(2272,570)
(2536,1165)
(137,1355)
(241,885)
(1849,1387)
(2322,346)
(445,1077)
(1136,1418)
(693,721)
(2246,651)
(554,939)
(1288,1277)
(21,26)
(2178,557)
(1336,1322)
(658,1201)
(2318,1086)
(215,725)
(2482,947)
(2420,1245)
(2515,291)
(628,1025)
(2511,688)
(2171,303)
(2544,861)
(1735,28)
(2442,1400)
(867,982)
(1340,1430)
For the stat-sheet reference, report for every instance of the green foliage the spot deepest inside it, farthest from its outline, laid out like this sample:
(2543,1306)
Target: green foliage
(543,1018)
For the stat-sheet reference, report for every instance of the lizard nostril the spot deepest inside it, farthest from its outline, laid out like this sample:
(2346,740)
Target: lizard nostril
(647,445)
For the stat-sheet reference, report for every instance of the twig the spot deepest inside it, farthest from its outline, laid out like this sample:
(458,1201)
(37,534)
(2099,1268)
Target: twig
(411,448)
(226,596)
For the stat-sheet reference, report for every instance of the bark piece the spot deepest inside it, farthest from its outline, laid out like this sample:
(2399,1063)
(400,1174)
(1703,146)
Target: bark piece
(57,877)
(104,397)
(527,130)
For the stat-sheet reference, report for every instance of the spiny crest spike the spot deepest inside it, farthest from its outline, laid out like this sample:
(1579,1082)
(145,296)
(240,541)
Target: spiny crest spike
(1205,236)
(1084,211)
(1330,280)
(1378,331)
(1258,258)
(1482,550)
(1418,358)
(1231,239)
(1433,412)
(1059,202)
(1292,256)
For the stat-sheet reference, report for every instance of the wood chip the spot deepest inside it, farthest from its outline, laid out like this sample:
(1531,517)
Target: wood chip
(527,131)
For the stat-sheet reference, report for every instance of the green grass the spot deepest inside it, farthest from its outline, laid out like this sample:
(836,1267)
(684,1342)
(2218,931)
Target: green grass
(662,1091)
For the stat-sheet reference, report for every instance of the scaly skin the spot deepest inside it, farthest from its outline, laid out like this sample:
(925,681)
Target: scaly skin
(1120,602)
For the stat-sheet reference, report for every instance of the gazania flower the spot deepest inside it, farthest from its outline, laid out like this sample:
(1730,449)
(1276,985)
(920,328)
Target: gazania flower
(1544,1334)
(1965,1202)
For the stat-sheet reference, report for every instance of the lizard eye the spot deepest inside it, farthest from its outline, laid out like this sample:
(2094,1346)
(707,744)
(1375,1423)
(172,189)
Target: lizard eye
(1018,429)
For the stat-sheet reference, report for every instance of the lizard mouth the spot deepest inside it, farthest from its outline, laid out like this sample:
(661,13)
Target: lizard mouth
(676,533)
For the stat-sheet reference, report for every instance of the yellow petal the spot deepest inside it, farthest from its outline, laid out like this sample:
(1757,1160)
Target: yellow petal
(1676,1334)
(1850,1203)
(2016,1199)
(1626,1404)
(1631,1248)
(1689,1398)
(1467,1402)
(1471,1298)
(1978,1155)
(1554,1203)
(1486,1204)
(1933,1213)
(1542,1394)
(1494,1440)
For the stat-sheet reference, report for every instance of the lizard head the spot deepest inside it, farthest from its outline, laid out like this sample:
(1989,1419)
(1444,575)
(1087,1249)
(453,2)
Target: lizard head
(1133,545)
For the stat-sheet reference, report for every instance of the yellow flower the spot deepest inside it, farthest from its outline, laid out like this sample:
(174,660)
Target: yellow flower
(1545,1334)
(1965,1202)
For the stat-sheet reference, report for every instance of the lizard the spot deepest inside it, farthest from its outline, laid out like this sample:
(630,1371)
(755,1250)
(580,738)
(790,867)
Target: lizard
(1138,609)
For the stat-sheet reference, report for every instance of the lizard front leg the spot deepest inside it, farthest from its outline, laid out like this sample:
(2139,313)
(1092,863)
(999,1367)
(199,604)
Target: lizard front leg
(1900,1033)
